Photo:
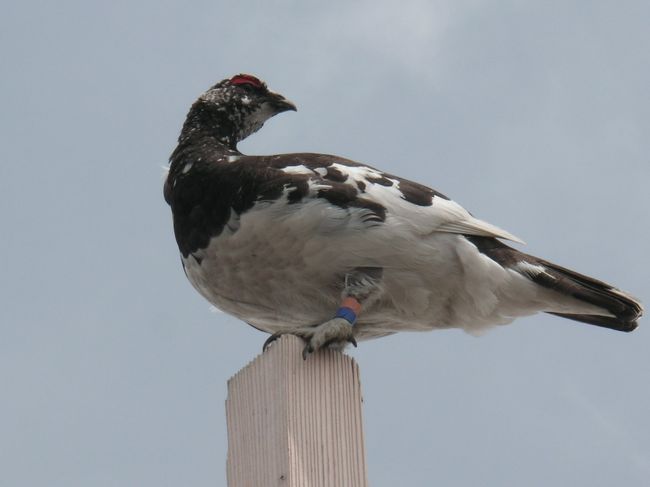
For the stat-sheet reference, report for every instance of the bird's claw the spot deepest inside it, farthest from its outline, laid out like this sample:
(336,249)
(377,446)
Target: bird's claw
(335,333)
(270,340)
(307,351)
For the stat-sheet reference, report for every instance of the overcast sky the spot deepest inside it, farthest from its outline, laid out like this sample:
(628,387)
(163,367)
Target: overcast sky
(533,115)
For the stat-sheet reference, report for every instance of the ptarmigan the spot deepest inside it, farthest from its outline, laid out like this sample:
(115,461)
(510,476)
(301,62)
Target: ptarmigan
(336,251)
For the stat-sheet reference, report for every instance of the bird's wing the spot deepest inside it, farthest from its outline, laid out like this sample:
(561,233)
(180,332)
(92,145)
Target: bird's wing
(453,218)
(352,184)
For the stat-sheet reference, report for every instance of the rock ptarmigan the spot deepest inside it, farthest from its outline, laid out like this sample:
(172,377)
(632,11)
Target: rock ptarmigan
(336,251)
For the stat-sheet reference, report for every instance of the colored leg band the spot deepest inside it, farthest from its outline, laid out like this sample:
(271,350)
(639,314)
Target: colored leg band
(347,314)
(349,310)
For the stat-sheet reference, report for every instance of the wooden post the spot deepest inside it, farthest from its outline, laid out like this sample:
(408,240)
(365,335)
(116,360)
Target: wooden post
(295,422)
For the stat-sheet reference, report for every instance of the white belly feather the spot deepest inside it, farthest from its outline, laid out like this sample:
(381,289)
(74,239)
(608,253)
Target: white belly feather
(283,268)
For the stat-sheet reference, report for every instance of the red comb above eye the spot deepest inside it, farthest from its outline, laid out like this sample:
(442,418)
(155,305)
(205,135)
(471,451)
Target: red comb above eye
(246,79)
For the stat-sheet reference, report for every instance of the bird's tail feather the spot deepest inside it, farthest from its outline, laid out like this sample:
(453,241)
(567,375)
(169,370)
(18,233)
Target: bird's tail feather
(608,307)
(623,309)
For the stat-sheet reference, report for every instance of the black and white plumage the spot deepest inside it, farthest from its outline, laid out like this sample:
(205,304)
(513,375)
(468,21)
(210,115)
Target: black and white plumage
(279,240)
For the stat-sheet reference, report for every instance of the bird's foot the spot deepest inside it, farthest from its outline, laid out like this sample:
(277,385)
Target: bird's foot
(335,333)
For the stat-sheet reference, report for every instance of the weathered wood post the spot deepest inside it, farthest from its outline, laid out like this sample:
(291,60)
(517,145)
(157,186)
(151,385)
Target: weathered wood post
(296,423)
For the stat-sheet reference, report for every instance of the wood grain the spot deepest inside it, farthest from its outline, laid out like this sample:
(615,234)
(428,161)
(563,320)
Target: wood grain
(296,423)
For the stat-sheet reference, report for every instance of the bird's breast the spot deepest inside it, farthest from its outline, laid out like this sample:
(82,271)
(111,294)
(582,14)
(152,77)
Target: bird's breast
(270,271)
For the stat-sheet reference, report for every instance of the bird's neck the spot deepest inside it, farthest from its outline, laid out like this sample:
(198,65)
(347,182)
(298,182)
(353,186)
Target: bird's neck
(201,144)
(195,148)
(207,140)
(206,123)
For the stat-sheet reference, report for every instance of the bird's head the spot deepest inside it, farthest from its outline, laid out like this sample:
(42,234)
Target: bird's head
(235,108)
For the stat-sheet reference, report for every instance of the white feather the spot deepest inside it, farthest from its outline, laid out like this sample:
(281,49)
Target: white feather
(434,280)
(442,216)
(298,169)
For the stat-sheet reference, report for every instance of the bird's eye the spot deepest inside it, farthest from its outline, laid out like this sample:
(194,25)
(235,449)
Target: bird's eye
(246,79)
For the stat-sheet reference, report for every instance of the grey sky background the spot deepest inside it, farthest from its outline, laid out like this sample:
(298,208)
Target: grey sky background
(533,115)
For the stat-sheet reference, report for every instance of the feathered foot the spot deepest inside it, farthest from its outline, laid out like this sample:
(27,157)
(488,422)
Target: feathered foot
(360,285)
(335,333)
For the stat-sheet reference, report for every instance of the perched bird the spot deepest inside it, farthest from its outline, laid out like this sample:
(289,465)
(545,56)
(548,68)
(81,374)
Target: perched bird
(336,251)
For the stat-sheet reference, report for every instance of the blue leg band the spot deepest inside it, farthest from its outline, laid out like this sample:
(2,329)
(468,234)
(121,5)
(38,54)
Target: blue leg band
(347,314)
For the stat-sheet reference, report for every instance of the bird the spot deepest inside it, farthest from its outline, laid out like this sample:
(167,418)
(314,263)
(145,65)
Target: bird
(336,251)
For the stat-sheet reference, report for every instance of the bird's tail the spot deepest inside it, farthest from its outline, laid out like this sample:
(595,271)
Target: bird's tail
(597,303)
(623,310)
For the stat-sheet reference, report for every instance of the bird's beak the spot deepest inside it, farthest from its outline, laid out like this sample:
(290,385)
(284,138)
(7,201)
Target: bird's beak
(280,103)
